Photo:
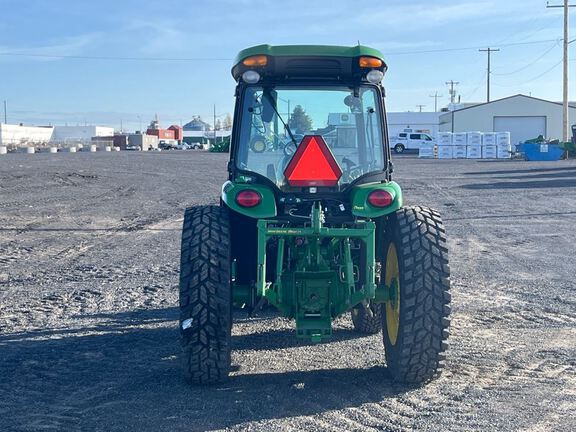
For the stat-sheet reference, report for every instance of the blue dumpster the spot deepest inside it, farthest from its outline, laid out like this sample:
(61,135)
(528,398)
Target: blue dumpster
(541,151)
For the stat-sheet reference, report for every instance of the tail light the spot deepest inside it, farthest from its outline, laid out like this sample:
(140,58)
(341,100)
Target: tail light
(248,198)
(370,62)
(380,198)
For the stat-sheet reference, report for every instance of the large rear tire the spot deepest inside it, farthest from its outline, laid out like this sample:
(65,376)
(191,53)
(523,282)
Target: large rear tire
(415,321)
(205,295)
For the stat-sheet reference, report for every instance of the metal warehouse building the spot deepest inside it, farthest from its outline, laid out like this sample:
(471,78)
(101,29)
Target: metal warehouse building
(426,122)
(525,117)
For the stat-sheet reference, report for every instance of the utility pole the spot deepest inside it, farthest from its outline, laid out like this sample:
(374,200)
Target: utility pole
(420,107)
(214,124)
(435,96)
(5,112)
(452,92)
(565,119)
(489,51)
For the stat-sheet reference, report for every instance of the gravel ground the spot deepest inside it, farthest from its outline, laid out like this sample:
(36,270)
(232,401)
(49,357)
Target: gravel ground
(89,249)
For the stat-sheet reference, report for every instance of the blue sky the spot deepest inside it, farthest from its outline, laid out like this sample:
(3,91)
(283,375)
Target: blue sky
(180,52)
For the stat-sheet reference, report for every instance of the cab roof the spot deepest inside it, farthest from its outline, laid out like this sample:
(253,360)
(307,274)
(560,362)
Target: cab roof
(308,50)
(312,61)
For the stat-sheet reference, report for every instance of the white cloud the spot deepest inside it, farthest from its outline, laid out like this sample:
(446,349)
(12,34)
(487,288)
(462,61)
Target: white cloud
(426,15)
(158,36)
(69,46)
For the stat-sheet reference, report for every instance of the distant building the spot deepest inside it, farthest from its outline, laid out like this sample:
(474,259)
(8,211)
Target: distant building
(19,135)
(196,124)
(173,133)
(525,117)
(79,134)
(178,132)
(424,122)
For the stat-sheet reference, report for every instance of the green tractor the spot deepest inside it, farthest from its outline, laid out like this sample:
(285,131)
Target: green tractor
(310,220)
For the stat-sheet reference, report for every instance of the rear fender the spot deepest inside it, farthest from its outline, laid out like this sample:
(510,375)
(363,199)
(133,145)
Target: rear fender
(359,198)
(266,208)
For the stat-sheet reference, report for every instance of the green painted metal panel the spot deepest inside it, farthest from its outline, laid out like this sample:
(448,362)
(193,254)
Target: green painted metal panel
(308,50)
(320,281)
(266,208)
(361,207)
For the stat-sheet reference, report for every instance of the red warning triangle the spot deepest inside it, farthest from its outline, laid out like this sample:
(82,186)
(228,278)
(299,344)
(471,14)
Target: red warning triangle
(313,164)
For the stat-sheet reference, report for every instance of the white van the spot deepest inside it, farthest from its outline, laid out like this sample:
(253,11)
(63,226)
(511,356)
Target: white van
(409,141)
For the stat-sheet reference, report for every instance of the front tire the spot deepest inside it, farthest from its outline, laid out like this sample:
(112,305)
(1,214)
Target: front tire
(399,148)
(416,321)
(367,322)
(205,295)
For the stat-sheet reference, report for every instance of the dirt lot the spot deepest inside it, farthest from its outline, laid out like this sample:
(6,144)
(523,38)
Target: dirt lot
(89,247)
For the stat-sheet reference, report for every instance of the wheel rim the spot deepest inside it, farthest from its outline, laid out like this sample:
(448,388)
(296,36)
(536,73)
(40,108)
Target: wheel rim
(392,280)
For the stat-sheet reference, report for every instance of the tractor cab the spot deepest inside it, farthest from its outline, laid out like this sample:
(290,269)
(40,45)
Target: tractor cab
(309,120)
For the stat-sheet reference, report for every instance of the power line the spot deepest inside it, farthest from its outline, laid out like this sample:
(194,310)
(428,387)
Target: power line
(547,71)
(196,59)
(547,25)
(531,63)
(469,94)
(81,57)
(471,48)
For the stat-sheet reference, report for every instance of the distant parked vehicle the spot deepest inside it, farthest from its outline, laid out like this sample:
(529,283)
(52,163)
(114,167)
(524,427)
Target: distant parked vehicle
(133,147)
(409,141)
(167,145)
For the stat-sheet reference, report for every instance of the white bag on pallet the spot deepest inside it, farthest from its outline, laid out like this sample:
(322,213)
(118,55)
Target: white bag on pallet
(426,151)
(460,138)
(489,151)
(504,151)
(459,152)
(489,138)
(444,138)
(474,152)
(445,151)
(474,138)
